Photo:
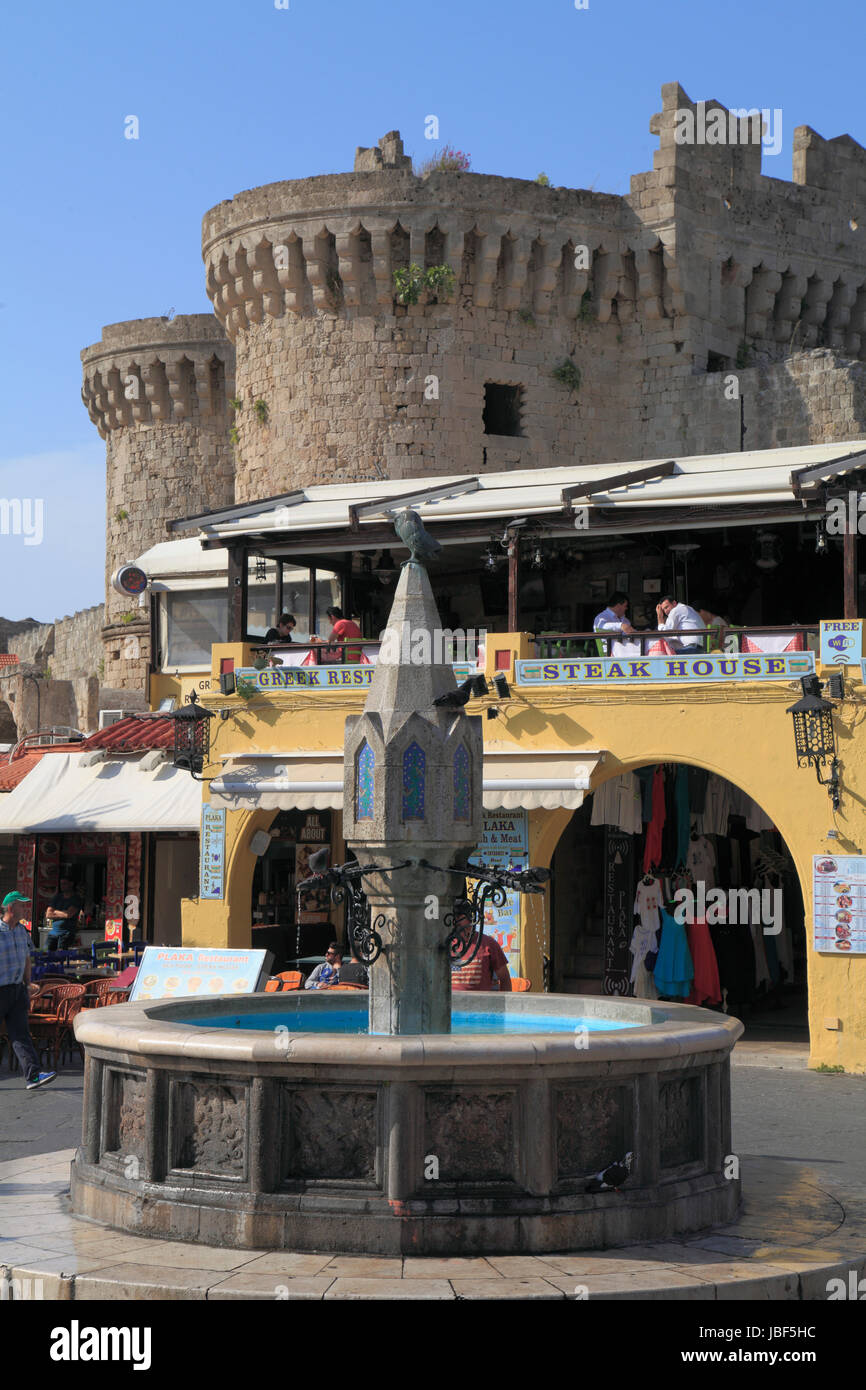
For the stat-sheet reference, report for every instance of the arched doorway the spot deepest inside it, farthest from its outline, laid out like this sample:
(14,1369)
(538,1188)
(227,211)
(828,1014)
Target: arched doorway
(715,858)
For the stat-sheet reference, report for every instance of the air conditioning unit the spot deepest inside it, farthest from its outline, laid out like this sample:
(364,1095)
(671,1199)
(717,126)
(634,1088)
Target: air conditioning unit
(110,716)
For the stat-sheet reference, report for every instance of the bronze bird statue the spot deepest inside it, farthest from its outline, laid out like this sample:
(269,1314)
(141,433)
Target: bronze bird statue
(410,528)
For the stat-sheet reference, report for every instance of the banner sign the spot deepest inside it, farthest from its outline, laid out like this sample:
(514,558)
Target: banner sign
(322,677)
(841,642)
(611,670)
(618,911)
(174,972)
(839,904)
(213,851)
(504,845)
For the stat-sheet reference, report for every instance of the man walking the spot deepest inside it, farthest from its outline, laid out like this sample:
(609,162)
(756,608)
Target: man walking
(16,989)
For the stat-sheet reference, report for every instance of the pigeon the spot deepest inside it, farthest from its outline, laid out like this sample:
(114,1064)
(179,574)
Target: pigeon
(455,699)
(318,862)
(611,1178)
(410,529)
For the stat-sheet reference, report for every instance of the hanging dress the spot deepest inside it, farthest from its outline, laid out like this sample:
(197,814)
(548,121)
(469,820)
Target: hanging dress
(644,939)
(706,988)
(674,971)
(653,850)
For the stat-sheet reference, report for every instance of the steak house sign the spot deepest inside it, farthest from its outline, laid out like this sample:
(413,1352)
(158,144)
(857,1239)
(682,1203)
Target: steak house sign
(786,666)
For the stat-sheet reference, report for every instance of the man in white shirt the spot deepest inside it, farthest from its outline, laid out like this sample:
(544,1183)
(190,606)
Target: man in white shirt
(679,617)
(613,619)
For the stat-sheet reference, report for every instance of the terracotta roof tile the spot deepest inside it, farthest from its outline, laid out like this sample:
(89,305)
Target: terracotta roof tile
(134,734)
(8,659)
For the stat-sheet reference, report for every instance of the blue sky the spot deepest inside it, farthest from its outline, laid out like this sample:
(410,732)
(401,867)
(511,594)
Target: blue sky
(235,93)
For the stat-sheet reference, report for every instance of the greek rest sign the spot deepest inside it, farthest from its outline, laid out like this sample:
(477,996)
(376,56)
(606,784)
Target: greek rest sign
(609,670)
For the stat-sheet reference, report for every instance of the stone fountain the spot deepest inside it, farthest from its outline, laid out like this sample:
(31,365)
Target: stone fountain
(265,1123)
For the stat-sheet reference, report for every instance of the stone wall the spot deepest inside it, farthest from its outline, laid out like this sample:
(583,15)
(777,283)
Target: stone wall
(157,390)
(707,263)
(69,647)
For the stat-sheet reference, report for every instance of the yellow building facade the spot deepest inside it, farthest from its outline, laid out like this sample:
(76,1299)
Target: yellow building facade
(736,729)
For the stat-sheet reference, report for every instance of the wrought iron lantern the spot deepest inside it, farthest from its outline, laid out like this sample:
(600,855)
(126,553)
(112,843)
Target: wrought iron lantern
(192,736)
(813,735)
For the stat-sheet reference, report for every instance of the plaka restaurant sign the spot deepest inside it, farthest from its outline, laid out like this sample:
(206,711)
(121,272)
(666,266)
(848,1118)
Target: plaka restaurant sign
(612,670)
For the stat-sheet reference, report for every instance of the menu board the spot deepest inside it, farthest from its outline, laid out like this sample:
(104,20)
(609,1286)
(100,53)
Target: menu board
(175,972)
(213,850)
(839,893)
(503,845)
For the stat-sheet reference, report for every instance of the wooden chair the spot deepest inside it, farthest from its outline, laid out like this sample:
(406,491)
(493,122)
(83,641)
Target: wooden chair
(99,993)
(289,979)
(519,985)
(51,1017)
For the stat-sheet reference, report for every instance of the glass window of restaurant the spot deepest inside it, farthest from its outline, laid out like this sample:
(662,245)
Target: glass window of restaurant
(190,622)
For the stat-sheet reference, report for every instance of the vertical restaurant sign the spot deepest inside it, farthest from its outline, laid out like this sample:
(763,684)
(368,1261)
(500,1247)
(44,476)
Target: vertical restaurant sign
(213,851)
(842,642)
(618,895)
(839,904)
(115,876)
(504,844)
(25,876)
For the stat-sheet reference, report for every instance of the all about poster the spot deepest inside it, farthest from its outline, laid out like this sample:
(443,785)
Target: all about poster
(504,844)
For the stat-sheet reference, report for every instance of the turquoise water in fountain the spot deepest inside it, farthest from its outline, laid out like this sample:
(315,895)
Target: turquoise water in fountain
(306,1020)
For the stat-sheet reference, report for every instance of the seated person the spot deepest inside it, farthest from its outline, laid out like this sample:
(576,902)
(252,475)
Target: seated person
(711,620)
(328,973)
(342,630)
(63,913)
(613,619)
(283,630)
(352,972)
(679,617)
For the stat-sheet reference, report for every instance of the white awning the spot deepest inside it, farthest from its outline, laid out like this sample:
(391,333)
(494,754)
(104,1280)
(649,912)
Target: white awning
(758,477)
(61,795)
(306,781)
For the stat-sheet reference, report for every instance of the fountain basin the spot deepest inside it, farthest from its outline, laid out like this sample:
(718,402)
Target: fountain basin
(436,1144)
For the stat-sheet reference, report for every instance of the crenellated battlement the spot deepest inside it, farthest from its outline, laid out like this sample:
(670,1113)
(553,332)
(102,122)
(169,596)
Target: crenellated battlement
(155,371)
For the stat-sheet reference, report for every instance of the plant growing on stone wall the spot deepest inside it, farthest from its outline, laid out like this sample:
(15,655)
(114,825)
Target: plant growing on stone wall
(585,312)
(744,353)
(236,403)
(411,281)
(127,617)
(526,316)
(100,670)
(121,514)
(233,435)
(543,180)
(261,409)
(447,161)
(567,374)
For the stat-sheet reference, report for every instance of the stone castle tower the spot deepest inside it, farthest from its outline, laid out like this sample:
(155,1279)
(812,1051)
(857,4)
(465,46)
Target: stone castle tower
(582,327)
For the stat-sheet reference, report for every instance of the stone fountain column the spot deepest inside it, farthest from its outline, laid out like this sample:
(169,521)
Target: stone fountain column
(412,791)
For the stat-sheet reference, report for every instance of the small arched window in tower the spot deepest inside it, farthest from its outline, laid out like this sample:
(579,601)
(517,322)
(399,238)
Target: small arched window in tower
(414,777)
(462,783)
(364,766)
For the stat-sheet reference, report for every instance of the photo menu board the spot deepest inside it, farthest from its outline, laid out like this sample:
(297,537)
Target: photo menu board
(839,913)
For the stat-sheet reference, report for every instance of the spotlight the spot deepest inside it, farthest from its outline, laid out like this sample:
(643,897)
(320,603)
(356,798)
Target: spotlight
(492,712)
(228,683)
(479,686)
(503,689)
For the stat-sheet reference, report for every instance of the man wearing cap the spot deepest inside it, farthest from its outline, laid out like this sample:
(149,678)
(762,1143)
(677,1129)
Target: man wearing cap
(16,989)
